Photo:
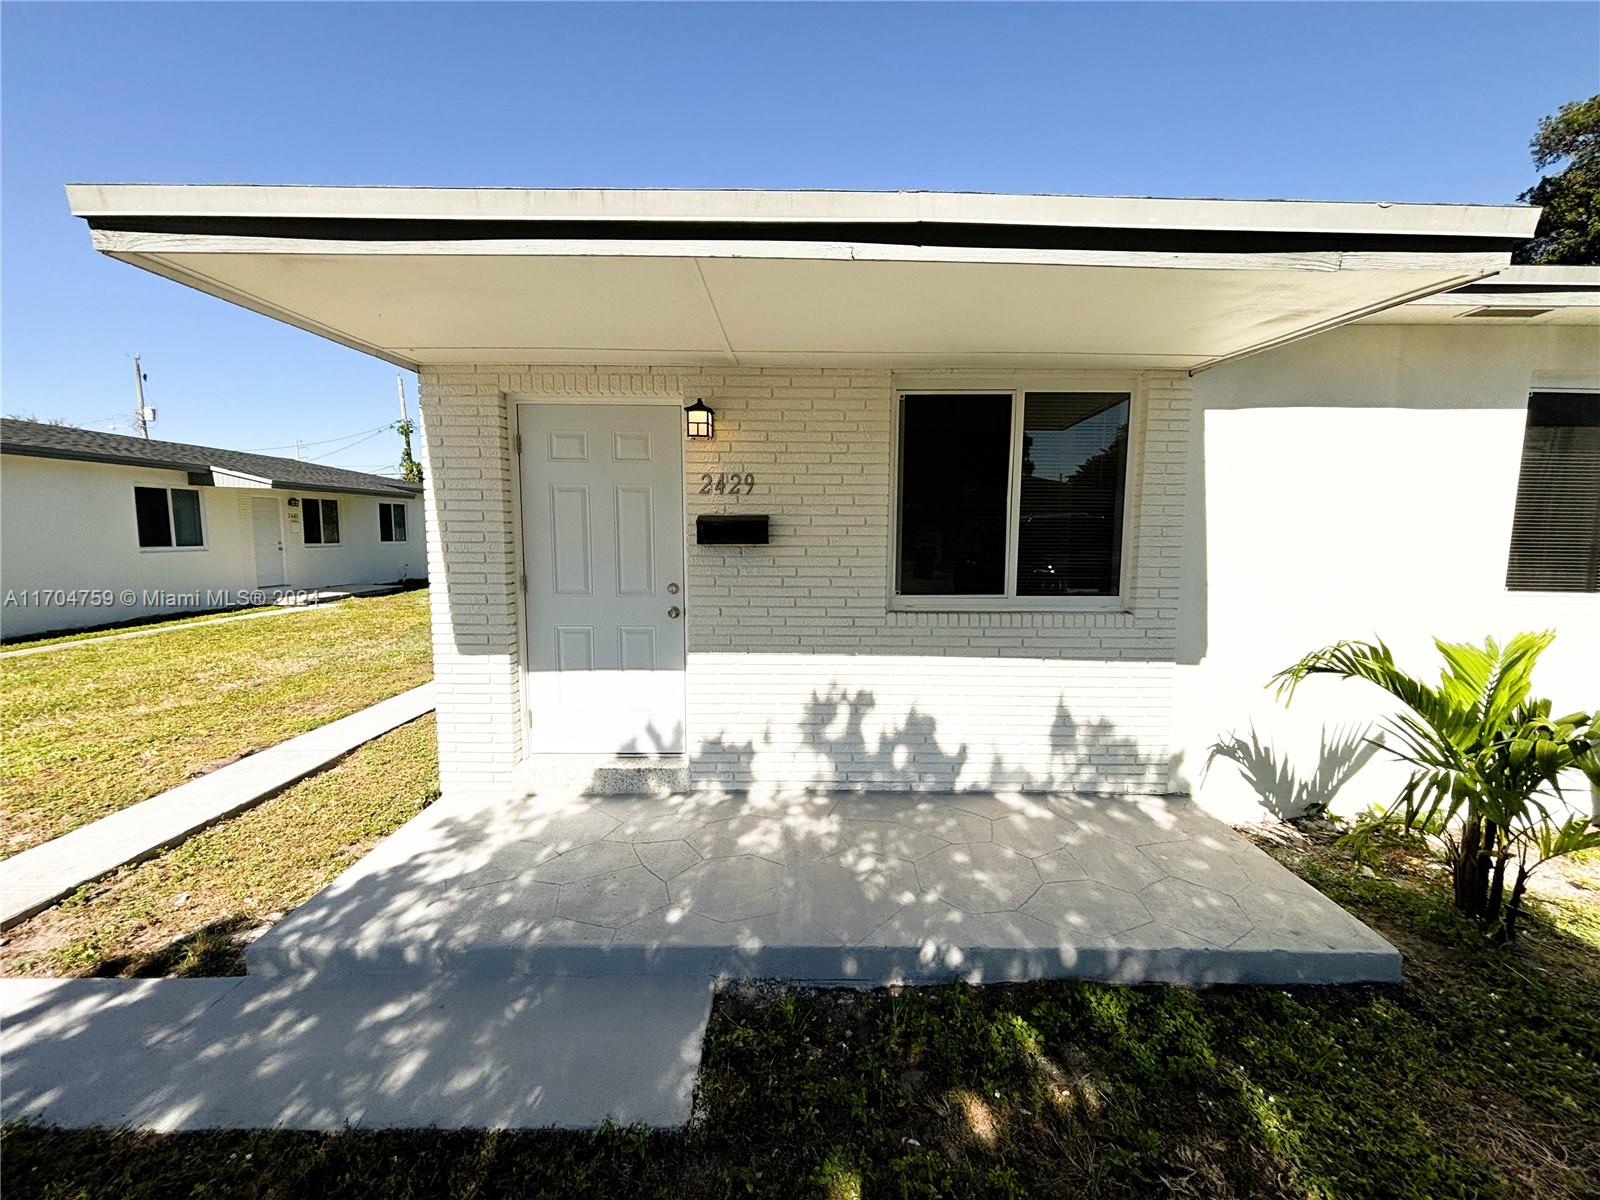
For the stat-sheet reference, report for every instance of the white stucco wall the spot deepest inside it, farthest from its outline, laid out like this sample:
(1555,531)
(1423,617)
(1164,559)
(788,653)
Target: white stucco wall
(70,526)
(1357,484)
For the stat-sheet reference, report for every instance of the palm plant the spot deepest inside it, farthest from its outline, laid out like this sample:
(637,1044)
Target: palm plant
(1485,763)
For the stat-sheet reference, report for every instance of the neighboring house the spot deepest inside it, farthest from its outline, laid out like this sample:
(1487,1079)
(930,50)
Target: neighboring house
(97,528)
(1002,491)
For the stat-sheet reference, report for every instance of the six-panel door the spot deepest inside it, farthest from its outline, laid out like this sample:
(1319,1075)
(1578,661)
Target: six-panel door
(603,551)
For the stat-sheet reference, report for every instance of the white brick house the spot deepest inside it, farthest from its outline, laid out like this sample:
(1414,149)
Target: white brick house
(1051,484)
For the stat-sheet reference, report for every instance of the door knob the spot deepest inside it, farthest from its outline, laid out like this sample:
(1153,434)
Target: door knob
(674,612)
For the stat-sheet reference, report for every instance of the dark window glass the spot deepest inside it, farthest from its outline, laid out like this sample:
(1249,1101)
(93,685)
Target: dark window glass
(386,522)
(399,522)
(186,517)
(1555,533)
(150,508)
(955,454)
(330,522)
(1074,458)
(311,515)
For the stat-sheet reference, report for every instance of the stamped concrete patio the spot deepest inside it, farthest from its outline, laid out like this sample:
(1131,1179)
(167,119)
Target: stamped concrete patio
(862,889)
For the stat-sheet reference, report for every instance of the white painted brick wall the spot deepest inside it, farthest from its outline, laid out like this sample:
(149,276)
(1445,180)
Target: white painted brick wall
(798,674)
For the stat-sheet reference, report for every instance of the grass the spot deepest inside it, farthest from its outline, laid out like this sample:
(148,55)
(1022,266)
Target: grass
(90,730)
(1476,1078)
(136,625)
(186,911)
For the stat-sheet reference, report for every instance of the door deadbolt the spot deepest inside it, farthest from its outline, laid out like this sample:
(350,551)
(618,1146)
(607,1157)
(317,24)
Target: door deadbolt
(674,612)
(672,589)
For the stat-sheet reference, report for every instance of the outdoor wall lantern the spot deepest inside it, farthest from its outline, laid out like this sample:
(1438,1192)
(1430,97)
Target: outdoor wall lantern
(700,422)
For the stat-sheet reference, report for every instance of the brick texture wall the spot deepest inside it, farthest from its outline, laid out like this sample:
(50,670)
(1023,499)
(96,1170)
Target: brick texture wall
(798,674)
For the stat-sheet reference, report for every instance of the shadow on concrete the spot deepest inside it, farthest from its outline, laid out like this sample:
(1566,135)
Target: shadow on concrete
(375,1052)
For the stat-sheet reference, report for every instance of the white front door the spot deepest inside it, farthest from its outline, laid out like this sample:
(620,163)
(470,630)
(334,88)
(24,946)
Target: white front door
(602,529)
(266,531)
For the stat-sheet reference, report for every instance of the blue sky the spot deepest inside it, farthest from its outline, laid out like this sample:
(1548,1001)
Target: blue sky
(1403,102)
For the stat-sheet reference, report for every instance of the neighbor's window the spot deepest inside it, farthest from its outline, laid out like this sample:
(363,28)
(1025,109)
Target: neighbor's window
(1555,534)
(1012,495)
(168,518)
(320,519)
(391,522)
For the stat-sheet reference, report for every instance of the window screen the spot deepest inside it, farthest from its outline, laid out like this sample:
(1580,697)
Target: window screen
(1555,532)
(955,453)
(185,517)
(1074,458)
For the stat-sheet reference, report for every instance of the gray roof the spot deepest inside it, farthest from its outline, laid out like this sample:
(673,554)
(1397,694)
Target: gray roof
(62,441)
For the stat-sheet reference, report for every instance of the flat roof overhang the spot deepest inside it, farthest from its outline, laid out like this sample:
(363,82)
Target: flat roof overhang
(422,276)
(1515,296)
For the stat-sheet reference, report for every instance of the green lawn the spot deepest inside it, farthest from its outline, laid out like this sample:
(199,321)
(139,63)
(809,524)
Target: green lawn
(185,911)
(88,730)
(1476,1078)
(137,626)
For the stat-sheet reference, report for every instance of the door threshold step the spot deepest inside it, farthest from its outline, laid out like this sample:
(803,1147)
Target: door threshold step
(605,775)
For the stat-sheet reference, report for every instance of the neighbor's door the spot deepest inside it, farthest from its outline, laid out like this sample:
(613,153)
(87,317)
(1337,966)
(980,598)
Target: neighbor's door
(602,527)
(266,529)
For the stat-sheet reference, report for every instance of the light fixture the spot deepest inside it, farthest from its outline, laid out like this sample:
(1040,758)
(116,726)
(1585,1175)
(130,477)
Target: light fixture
(700,423)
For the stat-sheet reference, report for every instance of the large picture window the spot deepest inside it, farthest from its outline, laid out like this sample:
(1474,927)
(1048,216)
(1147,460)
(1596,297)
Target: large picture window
(168,518)
(1555,533)
(1011,495)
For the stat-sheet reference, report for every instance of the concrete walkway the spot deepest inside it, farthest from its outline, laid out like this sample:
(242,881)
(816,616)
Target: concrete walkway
(865,889)
(37,878)
(391,1052)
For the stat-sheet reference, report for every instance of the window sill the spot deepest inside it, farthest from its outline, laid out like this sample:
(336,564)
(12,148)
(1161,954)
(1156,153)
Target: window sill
(1009,604)
(173,549)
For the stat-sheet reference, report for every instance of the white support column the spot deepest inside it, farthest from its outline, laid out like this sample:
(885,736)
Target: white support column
(469,465)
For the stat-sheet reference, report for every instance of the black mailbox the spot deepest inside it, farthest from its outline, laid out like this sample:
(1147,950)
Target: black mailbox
(730,530)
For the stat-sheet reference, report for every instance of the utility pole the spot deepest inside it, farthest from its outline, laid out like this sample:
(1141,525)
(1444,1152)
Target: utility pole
(144,414)
(297,448)
(410,470)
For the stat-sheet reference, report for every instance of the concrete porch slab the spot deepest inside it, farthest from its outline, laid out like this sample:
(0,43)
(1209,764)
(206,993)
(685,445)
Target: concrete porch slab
(367,1052)
(840,888)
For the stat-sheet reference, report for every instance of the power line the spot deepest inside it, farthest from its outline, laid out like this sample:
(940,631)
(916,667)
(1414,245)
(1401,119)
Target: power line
(323,442)
(351,446)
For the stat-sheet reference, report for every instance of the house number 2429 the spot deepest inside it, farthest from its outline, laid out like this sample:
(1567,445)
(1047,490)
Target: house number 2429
(727,485)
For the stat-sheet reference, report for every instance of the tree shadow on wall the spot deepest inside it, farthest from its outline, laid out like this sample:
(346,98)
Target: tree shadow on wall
(1342,752)
(1092,756)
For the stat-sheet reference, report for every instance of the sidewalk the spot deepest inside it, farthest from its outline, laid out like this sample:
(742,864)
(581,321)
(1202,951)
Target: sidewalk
(402,1051)
(35,879)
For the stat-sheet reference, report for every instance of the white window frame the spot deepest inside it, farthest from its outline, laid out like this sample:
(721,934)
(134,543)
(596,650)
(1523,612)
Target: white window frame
(406,518)
(172,519)
(1018,389)
(318,545)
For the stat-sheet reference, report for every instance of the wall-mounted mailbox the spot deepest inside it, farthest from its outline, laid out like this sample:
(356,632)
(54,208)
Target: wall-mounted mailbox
(730,530)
